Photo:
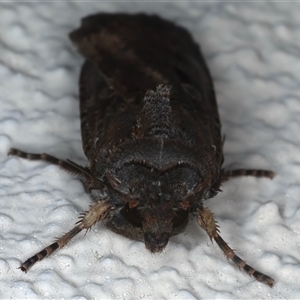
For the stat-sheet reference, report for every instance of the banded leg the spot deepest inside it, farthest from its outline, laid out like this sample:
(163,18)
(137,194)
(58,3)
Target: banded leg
(67,165)
(96,212)
(207,222)
(246,172)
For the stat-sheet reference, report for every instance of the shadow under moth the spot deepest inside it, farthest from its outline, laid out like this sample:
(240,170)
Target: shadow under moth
(151,132)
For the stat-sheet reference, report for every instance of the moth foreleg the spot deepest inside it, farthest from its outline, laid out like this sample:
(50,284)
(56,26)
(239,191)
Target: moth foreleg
(206,221)
(246,172)
(96,212)
(25,266)
(66,165)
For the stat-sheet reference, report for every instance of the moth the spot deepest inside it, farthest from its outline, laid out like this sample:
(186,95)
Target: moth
(151,132)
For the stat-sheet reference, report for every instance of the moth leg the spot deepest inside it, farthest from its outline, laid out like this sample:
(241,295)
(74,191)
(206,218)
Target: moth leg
(66,165)
(206,220)
(96,212)
(246,172)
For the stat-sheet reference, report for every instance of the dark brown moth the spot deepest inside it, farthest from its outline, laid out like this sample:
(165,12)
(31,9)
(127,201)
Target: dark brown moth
(151,132)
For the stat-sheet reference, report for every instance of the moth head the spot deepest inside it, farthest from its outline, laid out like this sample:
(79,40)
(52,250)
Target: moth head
(156,222)
(155,203)
(157,225)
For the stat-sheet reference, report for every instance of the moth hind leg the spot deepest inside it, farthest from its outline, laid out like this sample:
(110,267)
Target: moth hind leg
(206,221)
(247,172)
(66,165)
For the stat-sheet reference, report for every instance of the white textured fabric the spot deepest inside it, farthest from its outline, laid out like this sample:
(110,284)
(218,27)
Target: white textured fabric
(253,52)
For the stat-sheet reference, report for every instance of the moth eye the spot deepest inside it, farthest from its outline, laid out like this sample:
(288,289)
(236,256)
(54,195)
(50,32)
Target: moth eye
(132,215)
(180,218)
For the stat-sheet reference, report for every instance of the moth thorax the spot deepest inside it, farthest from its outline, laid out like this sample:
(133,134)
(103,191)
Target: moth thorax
(156,117)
